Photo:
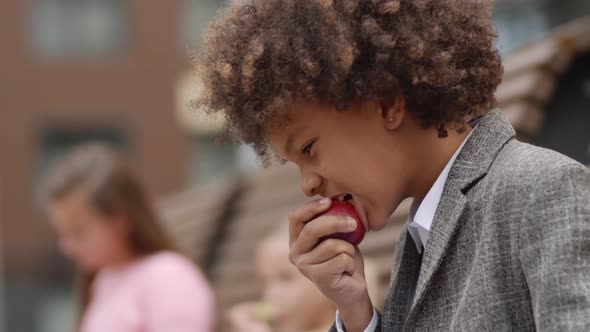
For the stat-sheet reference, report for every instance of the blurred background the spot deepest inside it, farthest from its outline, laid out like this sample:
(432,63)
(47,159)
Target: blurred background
(119,71)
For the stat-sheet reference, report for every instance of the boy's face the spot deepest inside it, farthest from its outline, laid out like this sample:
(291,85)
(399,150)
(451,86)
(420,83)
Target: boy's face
(348,152)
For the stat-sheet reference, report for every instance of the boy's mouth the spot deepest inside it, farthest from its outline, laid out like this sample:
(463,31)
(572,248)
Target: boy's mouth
(343,198)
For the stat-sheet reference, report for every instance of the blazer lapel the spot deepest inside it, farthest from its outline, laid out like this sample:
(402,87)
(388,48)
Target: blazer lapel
(471,165)
(406,270)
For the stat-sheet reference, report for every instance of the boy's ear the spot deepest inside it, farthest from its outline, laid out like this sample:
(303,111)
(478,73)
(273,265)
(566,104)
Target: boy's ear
(393,114)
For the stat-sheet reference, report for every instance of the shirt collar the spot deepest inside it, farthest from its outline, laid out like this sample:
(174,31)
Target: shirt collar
(422,214)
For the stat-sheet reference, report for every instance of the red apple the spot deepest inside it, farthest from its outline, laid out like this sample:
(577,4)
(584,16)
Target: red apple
(345,209)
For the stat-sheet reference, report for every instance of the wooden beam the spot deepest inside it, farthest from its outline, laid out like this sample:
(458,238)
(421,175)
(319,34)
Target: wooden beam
(535,85)
(526,117)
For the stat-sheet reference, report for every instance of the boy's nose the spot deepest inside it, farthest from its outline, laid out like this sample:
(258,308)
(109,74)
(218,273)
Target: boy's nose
(310,184)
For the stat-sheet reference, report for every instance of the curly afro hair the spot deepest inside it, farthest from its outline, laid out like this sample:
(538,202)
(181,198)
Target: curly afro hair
(262,55)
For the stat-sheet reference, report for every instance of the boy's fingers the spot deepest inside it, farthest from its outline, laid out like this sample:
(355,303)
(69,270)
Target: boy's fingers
(319,228)
(299,217)
(330,272)
(325,251)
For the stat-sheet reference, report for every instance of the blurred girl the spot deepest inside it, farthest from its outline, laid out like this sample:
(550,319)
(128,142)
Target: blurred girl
(290,302)
(131,279)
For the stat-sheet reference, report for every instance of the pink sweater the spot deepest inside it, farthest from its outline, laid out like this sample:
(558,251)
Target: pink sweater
(163,292)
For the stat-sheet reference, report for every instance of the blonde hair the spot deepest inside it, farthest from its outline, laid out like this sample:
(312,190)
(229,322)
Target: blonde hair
(112,189)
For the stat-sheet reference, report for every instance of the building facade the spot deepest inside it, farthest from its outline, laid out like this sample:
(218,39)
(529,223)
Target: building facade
(77,71)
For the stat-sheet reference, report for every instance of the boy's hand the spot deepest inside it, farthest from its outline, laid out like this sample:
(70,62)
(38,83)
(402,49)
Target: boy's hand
(334,266)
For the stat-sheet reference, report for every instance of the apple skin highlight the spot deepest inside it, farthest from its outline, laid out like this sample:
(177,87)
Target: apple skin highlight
(345,209)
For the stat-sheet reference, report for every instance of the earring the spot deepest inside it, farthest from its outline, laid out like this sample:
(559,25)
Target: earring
(391,119)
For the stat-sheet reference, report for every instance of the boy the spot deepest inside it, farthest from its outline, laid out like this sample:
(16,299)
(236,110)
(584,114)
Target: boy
(388,99)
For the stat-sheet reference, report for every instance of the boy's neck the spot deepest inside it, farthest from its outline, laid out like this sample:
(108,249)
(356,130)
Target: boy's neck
(432,156)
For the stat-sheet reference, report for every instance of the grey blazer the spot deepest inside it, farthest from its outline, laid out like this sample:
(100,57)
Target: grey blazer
(509,248)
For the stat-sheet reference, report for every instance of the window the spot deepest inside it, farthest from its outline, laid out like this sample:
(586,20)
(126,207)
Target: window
(195,16)
(517,27)
(210,159)
(521,21)
(55,142)
(207,158)
(77,27)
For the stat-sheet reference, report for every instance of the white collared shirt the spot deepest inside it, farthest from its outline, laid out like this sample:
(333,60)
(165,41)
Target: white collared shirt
(421,216)
(419,223)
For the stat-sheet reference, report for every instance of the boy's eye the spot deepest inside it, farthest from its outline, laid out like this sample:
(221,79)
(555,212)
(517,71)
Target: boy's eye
(307,147)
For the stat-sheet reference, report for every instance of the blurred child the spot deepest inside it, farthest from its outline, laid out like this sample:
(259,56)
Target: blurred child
(131,278)
(290,303)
